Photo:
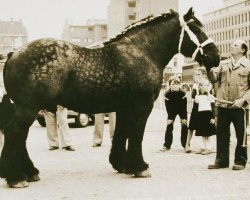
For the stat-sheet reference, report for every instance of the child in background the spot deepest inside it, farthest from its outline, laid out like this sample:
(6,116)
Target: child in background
(199,74)
(206,125)
(176,104)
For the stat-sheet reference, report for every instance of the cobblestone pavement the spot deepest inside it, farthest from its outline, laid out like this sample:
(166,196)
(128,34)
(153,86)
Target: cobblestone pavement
(87,174)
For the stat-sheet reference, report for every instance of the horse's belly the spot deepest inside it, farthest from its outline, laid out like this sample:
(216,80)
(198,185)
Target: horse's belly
(92,104)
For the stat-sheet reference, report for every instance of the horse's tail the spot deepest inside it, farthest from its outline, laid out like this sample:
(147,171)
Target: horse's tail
(4,67)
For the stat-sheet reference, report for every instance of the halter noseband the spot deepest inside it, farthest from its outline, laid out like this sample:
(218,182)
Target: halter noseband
(193,37)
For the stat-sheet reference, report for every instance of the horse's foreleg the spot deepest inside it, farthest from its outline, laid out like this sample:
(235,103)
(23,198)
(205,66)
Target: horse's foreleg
(134,162)
(118,150)
(15,165)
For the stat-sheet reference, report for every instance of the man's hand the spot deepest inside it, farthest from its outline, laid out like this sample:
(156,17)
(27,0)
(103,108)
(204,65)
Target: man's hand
(238,103)
(212,121)
(183,121)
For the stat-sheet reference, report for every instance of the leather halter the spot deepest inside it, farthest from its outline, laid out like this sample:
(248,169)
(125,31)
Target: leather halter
(193,37)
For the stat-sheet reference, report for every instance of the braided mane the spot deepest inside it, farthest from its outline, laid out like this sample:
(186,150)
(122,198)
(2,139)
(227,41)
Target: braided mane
(142,23)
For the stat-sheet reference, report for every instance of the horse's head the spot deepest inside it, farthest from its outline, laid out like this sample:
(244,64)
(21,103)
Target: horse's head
(195,44)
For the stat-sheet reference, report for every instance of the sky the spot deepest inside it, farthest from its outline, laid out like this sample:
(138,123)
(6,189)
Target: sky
(199,6)
(46,18)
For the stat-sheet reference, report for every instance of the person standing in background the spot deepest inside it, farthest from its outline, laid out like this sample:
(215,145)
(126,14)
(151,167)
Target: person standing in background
(206,115)
(200,73)
(176,104)
(234,95)
(99,128)
(58,129)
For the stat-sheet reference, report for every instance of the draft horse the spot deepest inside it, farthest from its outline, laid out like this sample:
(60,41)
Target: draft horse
(123,76)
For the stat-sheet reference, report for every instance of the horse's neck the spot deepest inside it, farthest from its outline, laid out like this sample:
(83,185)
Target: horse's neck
(158,42)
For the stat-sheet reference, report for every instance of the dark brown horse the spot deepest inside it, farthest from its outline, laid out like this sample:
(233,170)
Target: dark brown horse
(125,76)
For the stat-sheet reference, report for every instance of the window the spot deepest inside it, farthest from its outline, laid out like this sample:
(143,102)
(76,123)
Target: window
(88,40)
(131,4)
(76,40)
(131,17)
(90,28)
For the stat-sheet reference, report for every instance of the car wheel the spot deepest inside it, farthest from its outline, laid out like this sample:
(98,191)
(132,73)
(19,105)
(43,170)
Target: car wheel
(41,121)
(82,120)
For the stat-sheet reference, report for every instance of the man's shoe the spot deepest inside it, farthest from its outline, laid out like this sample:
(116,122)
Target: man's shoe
(53,148)
(206,152)
(188,150)
(238,167)
(199,151)
(96,145)
(68,148)
(164,149)
(217,166)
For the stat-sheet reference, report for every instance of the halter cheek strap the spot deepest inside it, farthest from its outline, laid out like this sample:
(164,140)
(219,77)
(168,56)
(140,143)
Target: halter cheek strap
(193,37)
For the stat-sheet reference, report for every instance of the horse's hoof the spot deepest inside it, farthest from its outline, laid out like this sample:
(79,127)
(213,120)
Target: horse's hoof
(33,178)
(21,184)
(121,170)
(143,174)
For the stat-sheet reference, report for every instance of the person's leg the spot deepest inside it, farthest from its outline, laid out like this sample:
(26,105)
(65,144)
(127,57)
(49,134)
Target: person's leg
(203,146)
(169,131)
(222,138)
(239,125)
(169,134)
(112,120)
(204,141)
(1,140)
(184,133)
(52,134)
(98,132)
(64,132)
(206,146)
(189,137)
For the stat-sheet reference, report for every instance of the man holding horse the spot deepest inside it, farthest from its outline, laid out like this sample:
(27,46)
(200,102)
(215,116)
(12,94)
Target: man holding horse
(234,86)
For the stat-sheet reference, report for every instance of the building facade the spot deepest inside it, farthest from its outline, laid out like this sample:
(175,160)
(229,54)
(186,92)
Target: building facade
(84,35)
(230,22)
(122,13)
(13,34)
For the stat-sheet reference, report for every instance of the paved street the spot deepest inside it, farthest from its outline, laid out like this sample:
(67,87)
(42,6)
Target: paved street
(87,174)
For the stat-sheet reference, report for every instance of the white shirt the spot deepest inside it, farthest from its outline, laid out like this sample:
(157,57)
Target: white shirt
(204,102)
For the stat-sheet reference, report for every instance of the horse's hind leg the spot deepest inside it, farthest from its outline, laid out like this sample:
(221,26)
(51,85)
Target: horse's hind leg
(118,150)
(15,164)
(27,165)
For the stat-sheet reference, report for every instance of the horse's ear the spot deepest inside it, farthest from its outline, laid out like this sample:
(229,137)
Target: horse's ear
(172,10)
(189,14)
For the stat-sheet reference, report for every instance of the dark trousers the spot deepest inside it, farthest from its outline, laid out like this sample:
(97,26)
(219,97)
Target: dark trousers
(169,133)
(224,119)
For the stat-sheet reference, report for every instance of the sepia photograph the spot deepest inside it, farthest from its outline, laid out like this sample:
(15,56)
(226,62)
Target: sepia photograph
(124,99)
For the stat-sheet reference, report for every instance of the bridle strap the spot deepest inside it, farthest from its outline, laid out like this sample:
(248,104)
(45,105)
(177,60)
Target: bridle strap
(192,36)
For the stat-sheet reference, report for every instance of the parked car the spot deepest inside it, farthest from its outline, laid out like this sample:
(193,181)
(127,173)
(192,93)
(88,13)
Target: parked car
(78,119)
